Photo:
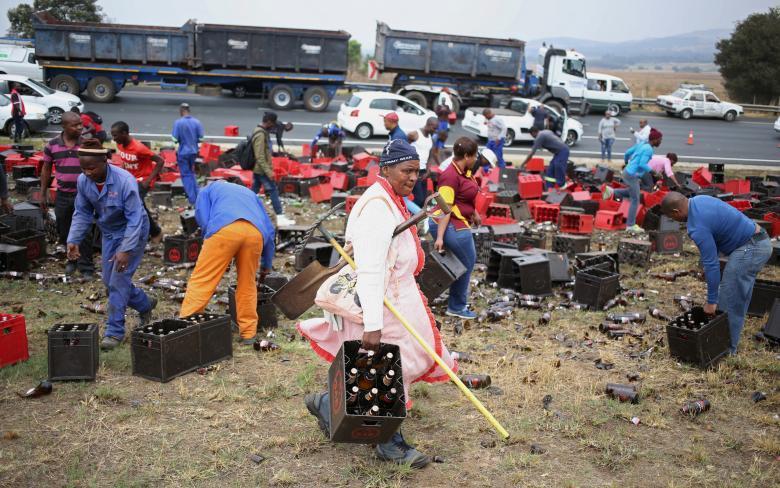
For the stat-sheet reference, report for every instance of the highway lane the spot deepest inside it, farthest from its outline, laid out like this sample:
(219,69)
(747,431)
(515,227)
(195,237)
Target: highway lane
(151,112)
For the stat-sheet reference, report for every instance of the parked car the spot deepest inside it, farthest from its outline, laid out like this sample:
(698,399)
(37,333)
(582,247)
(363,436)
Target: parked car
(695,100)
(777,125)
(607,92)
(519,121)
(56,102)
(35,120)
(19,60)
(363,113)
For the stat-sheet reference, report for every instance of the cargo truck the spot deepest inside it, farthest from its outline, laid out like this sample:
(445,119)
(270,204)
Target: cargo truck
(478,71)
(283,65)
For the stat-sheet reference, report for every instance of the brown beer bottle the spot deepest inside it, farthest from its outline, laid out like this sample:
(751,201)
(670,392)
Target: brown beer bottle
(365,361)
(388,398)
(373,411)
(370,396)
(388,378)
(367,380)
(695,408)
(352,396)
(352,376)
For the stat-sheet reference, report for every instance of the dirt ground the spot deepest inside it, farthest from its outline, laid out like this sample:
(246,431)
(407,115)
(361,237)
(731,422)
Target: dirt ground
(200,430)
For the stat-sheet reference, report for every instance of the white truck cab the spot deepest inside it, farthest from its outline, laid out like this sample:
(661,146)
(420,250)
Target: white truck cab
(697,101)
(19,59)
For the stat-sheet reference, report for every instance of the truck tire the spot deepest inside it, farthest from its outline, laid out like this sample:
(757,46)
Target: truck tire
(364,131)
(730,116)
(686,114)
(418,98)
(555,105)
(316,99)
(509,139)
(101,89)
(455,105)
(281,97)
(65,83)
(614,109)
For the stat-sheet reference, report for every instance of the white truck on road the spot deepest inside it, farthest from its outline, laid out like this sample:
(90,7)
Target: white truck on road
(697,101)
(518,119)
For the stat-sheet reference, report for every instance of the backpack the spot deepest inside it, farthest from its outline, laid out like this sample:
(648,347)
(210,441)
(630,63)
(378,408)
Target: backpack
(244,152)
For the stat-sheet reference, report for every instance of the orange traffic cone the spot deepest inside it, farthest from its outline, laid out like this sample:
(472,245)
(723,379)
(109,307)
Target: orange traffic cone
(690,138)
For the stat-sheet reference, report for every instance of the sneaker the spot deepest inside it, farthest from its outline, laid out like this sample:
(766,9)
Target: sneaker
(108,343)
(607,193)
(246,342)
(314,403)
(70,268)
(399,452)
(464,314)
(635,229)
(146,317)
(283,221)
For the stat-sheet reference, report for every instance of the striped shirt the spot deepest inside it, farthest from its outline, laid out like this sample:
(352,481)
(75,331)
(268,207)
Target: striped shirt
(65,160)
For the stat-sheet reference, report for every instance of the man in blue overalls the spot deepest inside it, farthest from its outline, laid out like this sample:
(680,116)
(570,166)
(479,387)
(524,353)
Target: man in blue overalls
(110,194)
(187,133)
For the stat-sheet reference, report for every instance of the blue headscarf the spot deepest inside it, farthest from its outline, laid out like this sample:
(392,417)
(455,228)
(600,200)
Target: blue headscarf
(397,151)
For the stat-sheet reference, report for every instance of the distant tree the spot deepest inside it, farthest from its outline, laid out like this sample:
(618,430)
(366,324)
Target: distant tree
(749,60)
(355,55)
(20,16)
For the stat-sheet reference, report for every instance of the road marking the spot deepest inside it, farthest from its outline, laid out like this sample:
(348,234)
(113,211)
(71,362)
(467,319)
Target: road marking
(617,139)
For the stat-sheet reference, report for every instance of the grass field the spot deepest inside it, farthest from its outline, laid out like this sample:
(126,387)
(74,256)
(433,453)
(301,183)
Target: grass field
(200,430)
(650,84)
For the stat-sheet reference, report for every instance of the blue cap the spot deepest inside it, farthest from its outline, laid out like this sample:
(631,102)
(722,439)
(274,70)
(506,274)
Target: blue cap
(397,151)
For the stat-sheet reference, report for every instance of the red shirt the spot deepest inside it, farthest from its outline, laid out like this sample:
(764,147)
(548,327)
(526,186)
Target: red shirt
(136,158)
(460,191)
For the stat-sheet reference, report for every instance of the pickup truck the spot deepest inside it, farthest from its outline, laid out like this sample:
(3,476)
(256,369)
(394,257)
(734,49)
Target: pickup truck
(518,119)
(694,101)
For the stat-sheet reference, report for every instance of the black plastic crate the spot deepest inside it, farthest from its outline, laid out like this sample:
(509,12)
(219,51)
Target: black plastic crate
(775,258)
(181,249)
(772,327)
(634,251)
(307,183)
(716,167)
(507,197)
(74,352)
(666,242)
(362,429)
(23,185)
(608,261)
(559,264)
(532,274)
(161,198)
(655,220)
(440,271)
(590,207)
(216,342)
(561,197)
(293,234)
(764,294)
(702,345)
(32,240)
(323,252)
(188,222)
(528,241)
(267,313)
(23,171)
(177,188)
(162,186)
(13,258)
(508,177)
(30,216)
(506,233)
(483,241)
(520,211)
(571,244)
(595,287)
(603,174)
(718,177)
(338,197)
(500,261)
(164,350)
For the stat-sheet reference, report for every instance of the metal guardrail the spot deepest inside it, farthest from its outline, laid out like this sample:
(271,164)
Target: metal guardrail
(772,109)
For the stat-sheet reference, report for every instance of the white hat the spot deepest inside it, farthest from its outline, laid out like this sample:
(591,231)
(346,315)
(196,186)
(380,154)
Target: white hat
(489,156)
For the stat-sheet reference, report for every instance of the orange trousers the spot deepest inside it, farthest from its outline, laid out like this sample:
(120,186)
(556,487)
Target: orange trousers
(242,241)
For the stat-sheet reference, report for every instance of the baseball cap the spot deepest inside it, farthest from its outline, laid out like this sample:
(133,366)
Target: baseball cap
(391,116)
(185,105)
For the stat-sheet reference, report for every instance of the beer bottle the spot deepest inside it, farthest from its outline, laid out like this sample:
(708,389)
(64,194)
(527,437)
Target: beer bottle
(352,396)
(623,393)
(659,314)
(371,395)
(475,381)
(388,398)
(529,304)
(373,411)
(367,380)
(388,378)
(545,318)
(695,408)
(627,318)
(94,307)
(352,376)
(606,327)
(385,362)
(530,298)
(365,360)
(618,333)
(496,315)
(14,275)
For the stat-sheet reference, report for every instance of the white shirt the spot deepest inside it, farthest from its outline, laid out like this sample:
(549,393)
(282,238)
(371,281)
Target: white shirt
(445,99)
(446,164)
(423,145)
(642,135)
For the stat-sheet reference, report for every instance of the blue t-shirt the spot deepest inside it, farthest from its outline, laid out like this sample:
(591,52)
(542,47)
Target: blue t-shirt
(396,133)
(716,227)
(222,203)
(188,132)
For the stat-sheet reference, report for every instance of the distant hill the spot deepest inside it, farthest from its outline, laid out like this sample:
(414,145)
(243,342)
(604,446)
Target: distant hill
(693,47)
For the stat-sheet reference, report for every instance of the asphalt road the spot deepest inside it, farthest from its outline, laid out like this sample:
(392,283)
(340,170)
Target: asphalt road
(151,112)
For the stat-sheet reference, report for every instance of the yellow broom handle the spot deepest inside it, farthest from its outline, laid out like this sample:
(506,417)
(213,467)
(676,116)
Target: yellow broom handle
(463,388)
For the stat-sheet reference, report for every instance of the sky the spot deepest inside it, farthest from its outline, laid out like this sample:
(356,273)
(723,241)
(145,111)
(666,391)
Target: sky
(519,19)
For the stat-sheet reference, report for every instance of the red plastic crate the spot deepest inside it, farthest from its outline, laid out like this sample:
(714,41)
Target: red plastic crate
(321,160)
(483,201)
(168,155)
(640,211)
(702,177)
(609,220)
(320,193)
(13,339)
(655,198)
(339,181)
(351,201)
(546,212)
(498,210)
(305,150)
(737,187)
(576,223)
(530,186)
(580,196)
(498,220)
(373,174)
(231,130)
(14,160)
(774,219)
(532,205)
(361,161)
(535,165)
(609,205)
(169,176)
(209,152)
(740,204)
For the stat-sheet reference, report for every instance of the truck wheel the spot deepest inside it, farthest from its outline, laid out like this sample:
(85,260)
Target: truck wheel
(418,98)
(686,114)
(555,105)
(509,139)
(730,116)
(65,83)
(101,89)
(239,91)
(571,138)
(315,99)
(281,97)
(455,105)
(364,131)
(613,109)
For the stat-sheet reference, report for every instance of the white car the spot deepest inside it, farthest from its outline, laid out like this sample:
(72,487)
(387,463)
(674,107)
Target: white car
(364,112)
(693,100)
(35,120)
(777,125)
(56,102)
(519,121)
(19,59)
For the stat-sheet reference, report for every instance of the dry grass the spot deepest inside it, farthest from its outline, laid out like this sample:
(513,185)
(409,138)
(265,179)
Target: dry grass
(200,430)
(650,84)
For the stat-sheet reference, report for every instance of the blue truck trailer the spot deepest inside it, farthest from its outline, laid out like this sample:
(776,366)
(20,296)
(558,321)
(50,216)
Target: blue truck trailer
(283,65)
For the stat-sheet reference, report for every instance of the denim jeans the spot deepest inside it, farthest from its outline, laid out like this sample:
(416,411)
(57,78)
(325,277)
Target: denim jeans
(497,147)
(647,182)
(420,190)
(64,206)
(18,128)
(268,184)
(736,284)
(631,192)
(186,164)
(461,244)
(122,293)
(606,148)
(556,170)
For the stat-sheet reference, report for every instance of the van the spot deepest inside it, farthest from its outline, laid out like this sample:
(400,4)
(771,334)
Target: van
(19,60)
(607,92)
